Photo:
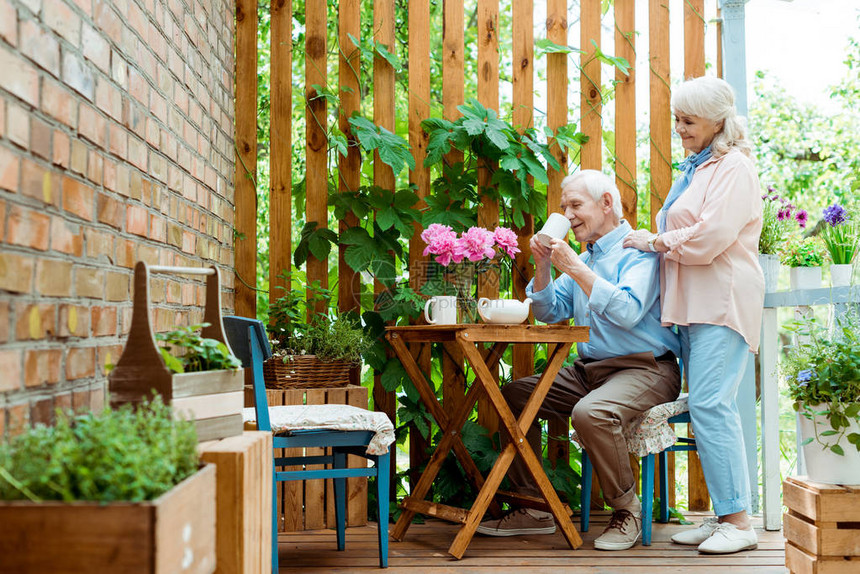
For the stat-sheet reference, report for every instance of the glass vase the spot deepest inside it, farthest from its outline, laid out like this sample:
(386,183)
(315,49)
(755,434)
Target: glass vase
(462,277)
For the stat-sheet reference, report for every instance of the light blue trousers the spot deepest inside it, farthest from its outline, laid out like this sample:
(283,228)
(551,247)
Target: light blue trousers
(715,358)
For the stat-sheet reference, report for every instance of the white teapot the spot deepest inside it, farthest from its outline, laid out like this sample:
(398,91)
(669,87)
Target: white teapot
(503,311)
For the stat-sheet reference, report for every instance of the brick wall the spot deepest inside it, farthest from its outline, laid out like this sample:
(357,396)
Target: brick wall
(116,145)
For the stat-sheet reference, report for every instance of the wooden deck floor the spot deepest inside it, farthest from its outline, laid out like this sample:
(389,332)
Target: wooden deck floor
(425,547)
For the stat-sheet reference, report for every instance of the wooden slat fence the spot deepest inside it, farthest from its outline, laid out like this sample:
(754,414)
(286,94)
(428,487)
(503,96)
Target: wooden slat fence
(605,103)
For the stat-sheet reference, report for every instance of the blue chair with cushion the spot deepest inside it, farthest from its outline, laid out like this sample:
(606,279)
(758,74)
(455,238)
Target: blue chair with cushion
(646,470)
(247,338)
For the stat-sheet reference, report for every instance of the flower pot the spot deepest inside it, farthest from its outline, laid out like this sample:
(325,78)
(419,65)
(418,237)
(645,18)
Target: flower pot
(822,464)
(173,533)
(770,268)
(805,278)
(840,274)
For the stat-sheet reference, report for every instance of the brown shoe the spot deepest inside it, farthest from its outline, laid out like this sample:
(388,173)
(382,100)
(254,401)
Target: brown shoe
(622,533)
(518,523)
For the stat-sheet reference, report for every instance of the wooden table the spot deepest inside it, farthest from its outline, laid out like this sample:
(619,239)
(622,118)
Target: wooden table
(469,339)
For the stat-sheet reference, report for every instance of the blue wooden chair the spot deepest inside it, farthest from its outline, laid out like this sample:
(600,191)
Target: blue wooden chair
(248,340)
(647,473)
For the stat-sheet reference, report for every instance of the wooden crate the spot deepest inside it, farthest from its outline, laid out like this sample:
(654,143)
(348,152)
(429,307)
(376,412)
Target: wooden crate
(243,501)
(309,504)
(173,533)
(212,399)
(821,527)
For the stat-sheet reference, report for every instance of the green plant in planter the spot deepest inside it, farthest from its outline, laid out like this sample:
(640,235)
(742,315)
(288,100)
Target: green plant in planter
(328,336)
(840,234)
(824,369)
(779,219)
(186,351)
(127,454)
(803,252)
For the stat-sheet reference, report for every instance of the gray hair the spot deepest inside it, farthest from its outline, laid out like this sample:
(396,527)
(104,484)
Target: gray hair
(596,183)
(713,99)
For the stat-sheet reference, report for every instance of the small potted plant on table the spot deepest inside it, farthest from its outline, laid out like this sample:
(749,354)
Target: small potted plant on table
(118,491)
(805,256)
(841,238)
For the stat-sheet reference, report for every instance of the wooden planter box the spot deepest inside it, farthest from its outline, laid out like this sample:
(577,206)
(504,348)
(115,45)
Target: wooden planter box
(309,504)
(213,399)
(173,534)
(822,527)
(243,501)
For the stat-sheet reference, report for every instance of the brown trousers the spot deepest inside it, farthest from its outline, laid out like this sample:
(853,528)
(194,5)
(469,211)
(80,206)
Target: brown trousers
(600,397)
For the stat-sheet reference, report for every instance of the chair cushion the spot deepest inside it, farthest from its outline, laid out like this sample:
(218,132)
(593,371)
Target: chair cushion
(330,417)
(650,433)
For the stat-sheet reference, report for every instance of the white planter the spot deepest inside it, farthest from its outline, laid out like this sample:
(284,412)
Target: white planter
(770,268)
(840,274)
(805,278)
(823,465)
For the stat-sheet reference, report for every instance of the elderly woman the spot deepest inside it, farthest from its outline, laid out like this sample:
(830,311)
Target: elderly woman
(713,291)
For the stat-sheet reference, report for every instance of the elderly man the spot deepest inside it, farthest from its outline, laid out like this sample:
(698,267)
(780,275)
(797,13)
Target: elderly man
(627,367)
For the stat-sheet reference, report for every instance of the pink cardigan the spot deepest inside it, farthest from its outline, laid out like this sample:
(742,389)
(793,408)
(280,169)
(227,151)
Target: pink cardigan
(711,273)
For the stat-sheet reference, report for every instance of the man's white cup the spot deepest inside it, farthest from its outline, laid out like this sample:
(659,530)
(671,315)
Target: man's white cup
(444,310)
(556,227)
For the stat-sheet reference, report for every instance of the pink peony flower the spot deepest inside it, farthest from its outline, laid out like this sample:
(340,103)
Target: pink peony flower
(441,241)
(506,239)
(475,244)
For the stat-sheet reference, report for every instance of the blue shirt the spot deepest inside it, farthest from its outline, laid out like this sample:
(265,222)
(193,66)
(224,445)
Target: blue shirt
(623,311)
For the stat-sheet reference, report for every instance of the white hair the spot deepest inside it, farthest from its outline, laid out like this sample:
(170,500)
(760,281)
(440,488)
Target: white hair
(713,99)
(596,183)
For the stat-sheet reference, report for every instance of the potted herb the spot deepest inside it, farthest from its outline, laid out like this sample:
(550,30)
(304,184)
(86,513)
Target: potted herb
(823,376)
(778,220)
(312,349)
(117,491)
(194,373)
(805,256)
(841,238)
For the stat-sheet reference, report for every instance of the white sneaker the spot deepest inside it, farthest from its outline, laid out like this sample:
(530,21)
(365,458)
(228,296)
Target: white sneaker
(695,536)
(728,538)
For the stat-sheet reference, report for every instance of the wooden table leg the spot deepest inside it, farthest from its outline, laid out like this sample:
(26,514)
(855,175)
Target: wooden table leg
(450,435)
(519,445)
(435,409)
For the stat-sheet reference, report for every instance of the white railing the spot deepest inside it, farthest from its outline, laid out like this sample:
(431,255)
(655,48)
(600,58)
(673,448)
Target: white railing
(840,297)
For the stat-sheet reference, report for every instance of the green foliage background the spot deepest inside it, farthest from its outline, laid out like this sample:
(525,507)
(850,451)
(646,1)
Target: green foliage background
(809,156)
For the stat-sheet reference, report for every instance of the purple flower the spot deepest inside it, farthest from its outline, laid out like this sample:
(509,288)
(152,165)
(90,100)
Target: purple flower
(783,214)
(835,215)
(801,218)
(803,377)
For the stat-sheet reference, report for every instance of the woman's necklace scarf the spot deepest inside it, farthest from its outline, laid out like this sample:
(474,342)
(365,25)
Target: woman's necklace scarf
(688,168)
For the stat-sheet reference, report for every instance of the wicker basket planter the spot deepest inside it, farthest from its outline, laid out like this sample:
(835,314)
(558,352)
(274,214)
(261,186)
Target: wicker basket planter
(305,371)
